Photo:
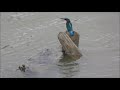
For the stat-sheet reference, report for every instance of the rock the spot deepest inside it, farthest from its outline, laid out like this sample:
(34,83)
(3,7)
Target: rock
(68,45)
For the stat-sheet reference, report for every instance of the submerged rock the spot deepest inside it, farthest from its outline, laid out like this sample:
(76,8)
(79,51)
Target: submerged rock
(46,56)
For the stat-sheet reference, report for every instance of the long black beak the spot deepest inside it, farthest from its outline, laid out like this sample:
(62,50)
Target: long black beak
(62,18)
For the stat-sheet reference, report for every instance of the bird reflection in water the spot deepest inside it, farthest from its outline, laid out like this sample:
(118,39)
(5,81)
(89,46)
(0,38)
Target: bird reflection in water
(68,67)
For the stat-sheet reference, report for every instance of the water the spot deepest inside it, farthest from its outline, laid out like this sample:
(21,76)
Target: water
(30,38)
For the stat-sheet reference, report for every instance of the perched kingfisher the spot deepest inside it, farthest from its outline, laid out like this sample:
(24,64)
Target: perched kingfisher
(69,26)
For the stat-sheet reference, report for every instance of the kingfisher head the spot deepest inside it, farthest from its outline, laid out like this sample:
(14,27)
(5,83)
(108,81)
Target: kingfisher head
(66,19)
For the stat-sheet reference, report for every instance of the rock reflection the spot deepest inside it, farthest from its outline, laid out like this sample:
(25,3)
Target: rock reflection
(68,67)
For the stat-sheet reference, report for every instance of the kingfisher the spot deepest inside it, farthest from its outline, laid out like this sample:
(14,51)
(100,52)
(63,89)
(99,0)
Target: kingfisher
(69,26)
